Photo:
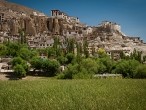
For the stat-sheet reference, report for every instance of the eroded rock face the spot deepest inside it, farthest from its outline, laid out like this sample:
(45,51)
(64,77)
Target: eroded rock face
(4,27)
(33,25)
(14,27)
(55,25)
(30,26)
(40,24)
(50,24)
(18,18)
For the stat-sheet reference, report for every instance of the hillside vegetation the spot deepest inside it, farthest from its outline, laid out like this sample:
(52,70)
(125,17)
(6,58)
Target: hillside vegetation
(77,65)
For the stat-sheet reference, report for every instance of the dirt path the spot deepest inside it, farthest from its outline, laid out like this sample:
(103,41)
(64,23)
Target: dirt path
(4,77)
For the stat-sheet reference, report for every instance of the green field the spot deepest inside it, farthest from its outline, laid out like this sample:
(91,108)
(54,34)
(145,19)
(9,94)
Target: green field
(52,94)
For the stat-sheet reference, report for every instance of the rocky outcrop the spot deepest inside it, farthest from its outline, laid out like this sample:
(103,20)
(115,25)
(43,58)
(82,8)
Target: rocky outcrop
(108,31)
(40,24)
(14,27)
(56,26)
(17,17)
(50,24)
(29,26)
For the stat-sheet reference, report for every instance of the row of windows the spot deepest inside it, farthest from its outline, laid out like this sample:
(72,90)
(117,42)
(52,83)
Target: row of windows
(47,45)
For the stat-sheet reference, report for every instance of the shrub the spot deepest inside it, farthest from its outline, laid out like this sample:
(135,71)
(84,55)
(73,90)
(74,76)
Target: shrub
(62,60)
(19,71)
(127,68)
(61,76)
(140,72)
(17,60)
(83,74)
(72,70)
(36,63)
(102,68)
(25,53)
(69,72)
(107,64)
(86,69)
(89,65)
(20,61)
(52,67)
(70,57)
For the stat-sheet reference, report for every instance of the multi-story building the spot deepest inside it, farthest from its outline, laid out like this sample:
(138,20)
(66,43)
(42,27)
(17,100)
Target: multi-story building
(62,15)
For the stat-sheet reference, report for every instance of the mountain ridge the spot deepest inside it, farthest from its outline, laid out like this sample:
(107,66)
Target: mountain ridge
(16,7)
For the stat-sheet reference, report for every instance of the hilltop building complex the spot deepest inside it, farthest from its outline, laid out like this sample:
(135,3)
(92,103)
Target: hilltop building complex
(40,30)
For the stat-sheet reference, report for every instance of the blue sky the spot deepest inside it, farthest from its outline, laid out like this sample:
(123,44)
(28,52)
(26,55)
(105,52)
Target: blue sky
(130,14)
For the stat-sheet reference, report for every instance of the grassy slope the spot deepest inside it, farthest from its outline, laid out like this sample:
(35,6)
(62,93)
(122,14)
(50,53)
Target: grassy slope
(44,94)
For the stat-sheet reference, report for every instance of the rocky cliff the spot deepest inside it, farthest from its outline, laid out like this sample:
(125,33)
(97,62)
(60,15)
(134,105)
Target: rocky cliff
(17,17)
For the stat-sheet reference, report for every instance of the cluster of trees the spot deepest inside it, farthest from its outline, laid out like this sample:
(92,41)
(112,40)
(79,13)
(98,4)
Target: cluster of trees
(88,67)
(21,56)
(47,66)
(77,64)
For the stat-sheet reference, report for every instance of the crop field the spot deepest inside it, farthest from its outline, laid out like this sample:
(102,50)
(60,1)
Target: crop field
(93,94)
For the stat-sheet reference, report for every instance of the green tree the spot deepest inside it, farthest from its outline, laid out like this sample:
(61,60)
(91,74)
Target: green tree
(108,64)
(140,71)
(70,58)
(25,54)
(13,49)
(70,45)
(122,55)
(42,51)
(50,67)
(36,63)
(57,46)
(127,67)
(93,50)
(34,53)
(20,61)
(3,50)
(90,65)
(22,36)
(79,49)
(19,71)
(136,55)
(62,60)
(70,71)
(85,48)
(17,60)
(102,68)
(101,53)
(144,58)
(51,52)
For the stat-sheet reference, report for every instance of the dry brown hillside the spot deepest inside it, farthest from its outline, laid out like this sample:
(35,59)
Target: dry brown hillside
(15,7)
